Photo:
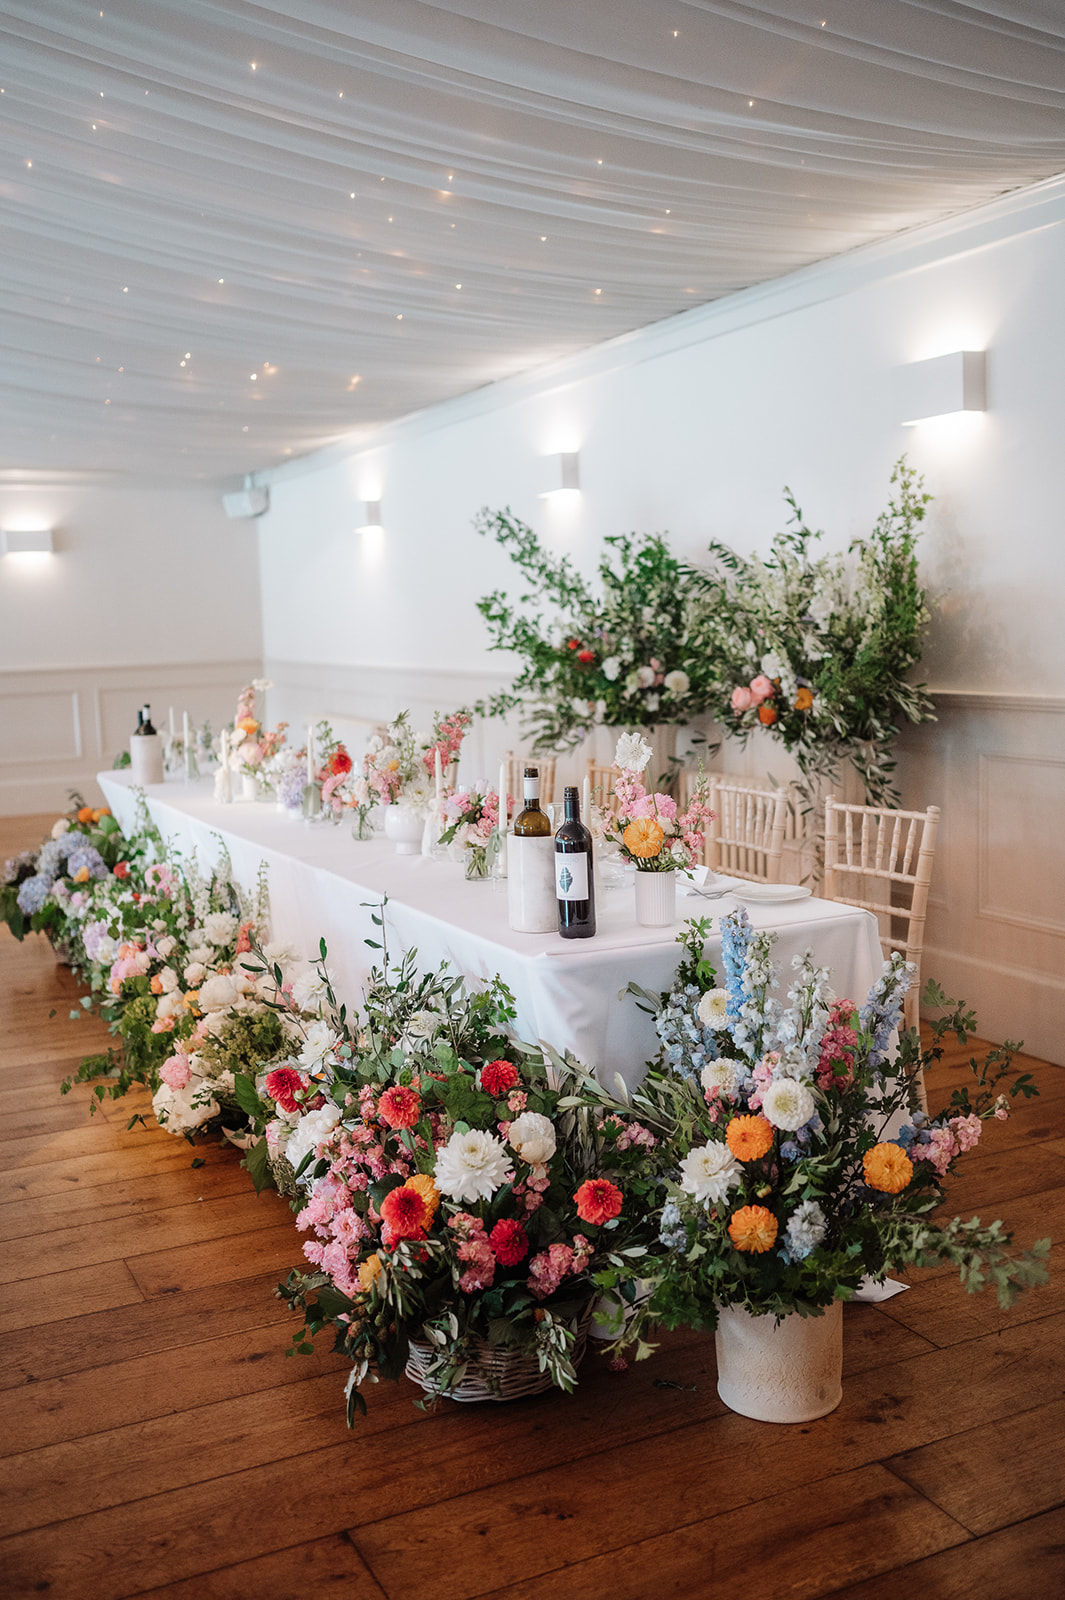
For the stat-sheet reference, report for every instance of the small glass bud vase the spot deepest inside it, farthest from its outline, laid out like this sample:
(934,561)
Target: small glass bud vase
(478,866)
(362,825)
(311,804)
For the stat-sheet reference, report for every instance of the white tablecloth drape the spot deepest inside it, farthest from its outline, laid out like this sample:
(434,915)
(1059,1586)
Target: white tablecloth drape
(324,884)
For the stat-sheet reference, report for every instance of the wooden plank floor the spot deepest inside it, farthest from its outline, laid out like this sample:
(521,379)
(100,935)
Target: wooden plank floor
(154,1440)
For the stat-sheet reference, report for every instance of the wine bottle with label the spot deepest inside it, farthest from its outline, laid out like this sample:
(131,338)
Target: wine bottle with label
(574,879)
(530,864)
(145,750)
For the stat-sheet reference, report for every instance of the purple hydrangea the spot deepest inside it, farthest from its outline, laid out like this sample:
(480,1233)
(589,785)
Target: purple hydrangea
(33,893)
(87,857)
(290,789)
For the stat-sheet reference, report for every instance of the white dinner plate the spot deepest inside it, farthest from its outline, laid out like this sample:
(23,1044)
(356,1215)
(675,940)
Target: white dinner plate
(770,893)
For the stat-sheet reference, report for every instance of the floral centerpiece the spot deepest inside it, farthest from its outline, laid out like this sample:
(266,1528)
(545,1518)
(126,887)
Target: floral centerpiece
(819,650)
(44,891)
(254,747)
(801,1160)
(634,654)
(651,833)
(471,821)
(465,1198)
(401,767)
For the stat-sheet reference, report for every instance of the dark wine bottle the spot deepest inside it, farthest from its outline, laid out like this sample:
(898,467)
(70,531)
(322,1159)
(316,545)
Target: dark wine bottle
(146,721)
(574,879)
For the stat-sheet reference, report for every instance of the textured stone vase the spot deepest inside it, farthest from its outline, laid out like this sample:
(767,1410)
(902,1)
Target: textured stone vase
(787,1371)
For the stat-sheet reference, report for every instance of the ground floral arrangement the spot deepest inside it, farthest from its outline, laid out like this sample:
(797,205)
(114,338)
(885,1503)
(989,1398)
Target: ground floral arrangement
(466,1197)
(818,651)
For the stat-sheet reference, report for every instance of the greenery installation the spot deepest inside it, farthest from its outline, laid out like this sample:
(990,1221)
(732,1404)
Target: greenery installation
(816,649)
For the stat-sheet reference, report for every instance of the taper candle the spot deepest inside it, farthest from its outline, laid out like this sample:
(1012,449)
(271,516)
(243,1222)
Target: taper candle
(186,747)
(586,802)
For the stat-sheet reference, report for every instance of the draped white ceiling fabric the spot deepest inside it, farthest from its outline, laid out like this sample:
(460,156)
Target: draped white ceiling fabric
(233,232)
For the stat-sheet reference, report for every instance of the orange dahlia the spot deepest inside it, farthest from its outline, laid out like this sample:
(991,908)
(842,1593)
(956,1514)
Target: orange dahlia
(423,1183)
(803,699)
(887,1168)
(368,1271)
(753,1229)
(749,1137)
(643,837)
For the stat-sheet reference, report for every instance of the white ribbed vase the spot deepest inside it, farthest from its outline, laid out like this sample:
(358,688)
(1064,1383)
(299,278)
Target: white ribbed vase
(787,1371)
(656,899)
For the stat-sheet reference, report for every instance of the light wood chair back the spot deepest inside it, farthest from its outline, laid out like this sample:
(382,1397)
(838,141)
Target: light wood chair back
(601,778)
(516,764)
(881,860)
(746,837)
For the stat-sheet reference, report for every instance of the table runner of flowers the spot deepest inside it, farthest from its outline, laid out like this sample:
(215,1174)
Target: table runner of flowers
(460,1188)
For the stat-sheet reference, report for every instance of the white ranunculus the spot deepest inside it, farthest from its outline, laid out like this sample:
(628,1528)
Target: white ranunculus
(713,1008)
(195,973)
(310,1132)
(633,753)
(787,1104)
(174,1108)
(709,1171)
(218,993)
(533,1137)
(723,1074)
(471,1166)
(219,927)
(611,668)
(677,684)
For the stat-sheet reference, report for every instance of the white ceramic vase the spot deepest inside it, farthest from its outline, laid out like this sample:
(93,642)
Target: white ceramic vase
(404,826)
(656,899)
(791,1371)
(249,786)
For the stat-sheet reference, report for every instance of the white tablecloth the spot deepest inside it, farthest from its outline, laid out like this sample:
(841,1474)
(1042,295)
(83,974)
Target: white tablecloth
(324,884)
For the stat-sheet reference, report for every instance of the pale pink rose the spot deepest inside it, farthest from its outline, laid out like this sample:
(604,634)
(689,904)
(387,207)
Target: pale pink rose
(741,699)
(176,1071)
(761,688)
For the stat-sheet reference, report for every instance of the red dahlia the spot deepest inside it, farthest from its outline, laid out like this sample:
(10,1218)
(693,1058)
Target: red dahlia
(499,1077)
(598,1200)
(399,1107)
(509,1242)
(406,1213)
(282,1085)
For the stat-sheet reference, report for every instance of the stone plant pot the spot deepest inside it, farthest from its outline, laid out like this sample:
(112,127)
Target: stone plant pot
(787,1371)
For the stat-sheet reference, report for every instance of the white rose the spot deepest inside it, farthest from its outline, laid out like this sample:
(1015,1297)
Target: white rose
(677,684)
(195,973)
(169,980)
(533,1137)
(787,1104)
(723,1074)
(219,927)
(218,993)
(709,1171)
(311,1131)
(166,946)
(170,1005)
(611,668)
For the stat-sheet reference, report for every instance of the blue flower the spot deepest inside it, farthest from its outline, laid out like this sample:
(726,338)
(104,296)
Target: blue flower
(87,857)
(672,1232)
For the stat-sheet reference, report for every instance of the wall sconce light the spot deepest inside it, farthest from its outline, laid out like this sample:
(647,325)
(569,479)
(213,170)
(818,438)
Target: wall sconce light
(942,386)
(26,541)
(251,501)
(371,514)
(558,472)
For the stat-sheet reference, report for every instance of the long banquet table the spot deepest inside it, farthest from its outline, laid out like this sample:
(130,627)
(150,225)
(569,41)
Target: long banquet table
(325,884)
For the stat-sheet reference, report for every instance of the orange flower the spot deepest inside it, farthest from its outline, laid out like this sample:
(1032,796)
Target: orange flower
(749,1137)
(423,1183)
(247,724)
(156,985)
(85,814)
(887,1168)
(753,1229)
(643,837)
(82,875)
(804,699)
(767,716)
(368,1271)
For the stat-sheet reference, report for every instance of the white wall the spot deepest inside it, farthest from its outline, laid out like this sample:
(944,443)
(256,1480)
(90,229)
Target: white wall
(151,593)
(694,426)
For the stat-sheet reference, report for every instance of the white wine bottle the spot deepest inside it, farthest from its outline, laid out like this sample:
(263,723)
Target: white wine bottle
(531,865)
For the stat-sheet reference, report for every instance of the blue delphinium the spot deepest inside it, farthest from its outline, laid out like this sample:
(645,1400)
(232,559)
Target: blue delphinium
(671,1230)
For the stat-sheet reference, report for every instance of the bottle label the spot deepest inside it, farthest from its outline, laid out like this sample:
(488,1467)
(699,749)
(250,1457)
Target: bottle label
(571,875)
(531,788)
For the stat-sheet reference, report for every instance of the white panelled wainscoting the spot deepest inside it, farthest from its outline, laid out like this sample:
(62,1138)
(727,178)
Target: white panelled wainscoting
(60,726)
